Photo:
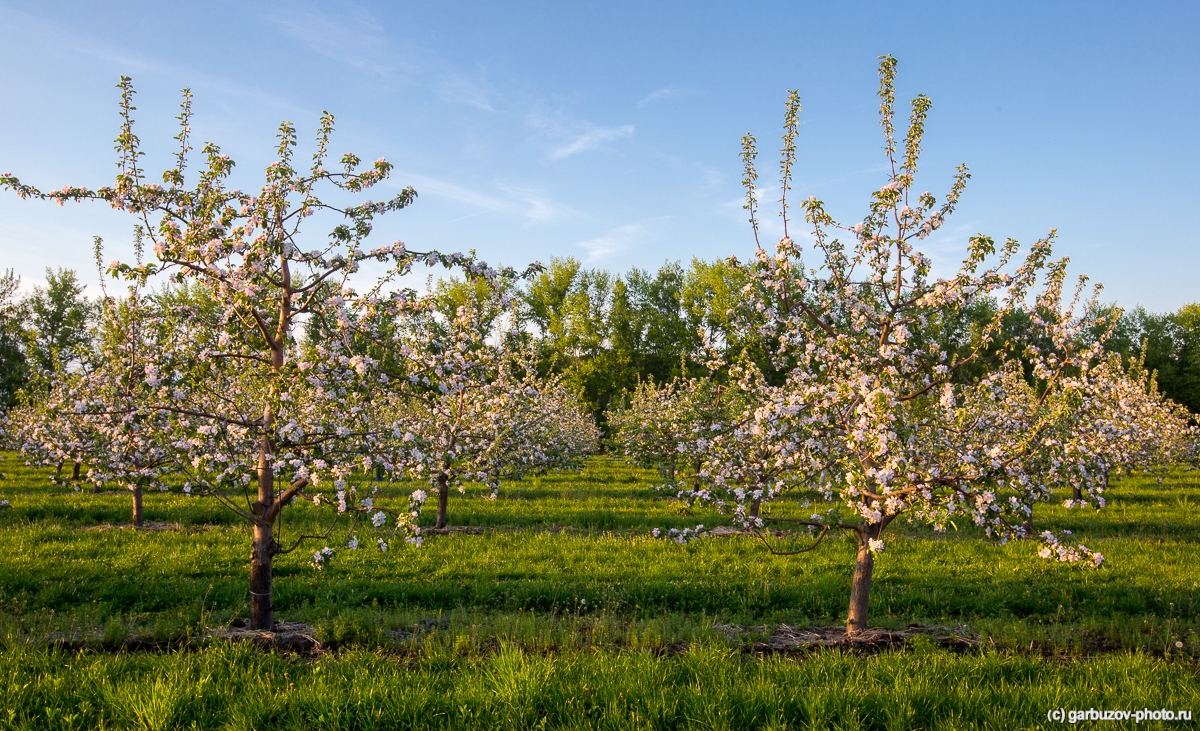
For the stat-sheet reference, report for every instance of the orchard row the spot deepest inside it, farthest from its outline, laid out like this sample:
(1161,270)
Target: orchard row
(256,374)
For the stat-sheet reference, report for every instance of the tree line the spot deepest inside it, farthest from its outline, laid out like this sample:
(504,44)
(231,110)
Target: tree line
(603,333)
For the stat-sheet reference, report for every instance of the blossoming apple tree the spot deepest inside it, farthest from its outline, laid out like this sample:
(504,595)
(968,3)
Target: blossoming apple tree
(878,407)
(250,417)
(100,414)
(656,423)
(475,411)
(1131,425)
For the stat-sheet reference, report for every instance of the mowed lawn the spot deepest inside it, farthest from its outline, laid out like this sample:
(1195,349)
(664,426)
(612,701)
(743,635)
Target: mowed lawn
(564,611)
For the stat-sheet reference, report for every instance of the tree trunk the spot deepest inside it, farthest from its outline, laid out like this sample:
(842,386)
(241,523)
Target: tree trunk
(137,506)
(860,587)
(1076,493)
(75,471)
(754,506)
(263,548)
(262,552)
(379,473)
(443,491)
(262,611)
(691,499)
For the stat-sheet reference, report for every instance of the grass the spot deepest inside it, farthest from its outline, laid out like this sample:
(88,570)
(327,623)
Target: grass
(706,687)
(566,611)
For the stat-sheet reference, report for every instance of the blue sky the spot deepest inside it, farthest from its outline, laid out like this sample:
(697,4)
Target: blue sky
(610,132)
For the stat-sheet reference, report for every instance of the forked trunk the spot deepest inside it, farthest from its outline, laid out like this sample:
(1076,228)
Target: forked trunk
(137,506)
(262,551)
(443,491)
(860,587)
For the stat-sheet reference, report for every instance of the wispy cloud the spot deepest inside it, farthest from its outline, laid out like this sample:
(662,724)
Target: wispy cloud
(437,188)
(656,96)
(712,177)
(530,204)
(616,241)
(591,139)
(456,87)
(354,37)
(46,33)
(537,207)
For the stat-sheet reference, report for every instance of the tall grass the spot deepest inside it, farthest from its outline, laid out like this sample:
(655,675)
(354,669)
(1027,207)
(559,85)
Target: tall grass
(706,687)
(566,613)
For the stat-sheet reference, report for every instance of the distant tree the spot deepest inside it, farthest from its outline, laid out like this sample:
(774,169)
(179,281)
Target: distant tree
(60,320)
(58,336)
(650,426)
(544,307)
(101,414)
(569,312)
(670,428)
(479,297)
(712,298)
(474,411)
(13,364)
(604,333)
(661,336)
(1168,344)
(1184,384)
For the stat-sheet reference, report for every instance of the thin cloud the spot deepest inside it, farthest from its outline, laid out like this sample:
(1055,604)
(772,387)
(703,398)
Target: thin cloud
(616,241)
(592,139)
(712,176)
(456,87)
(49,34)
(531,205)
(656,96)
(480,213)
(355,37)
(437,188)
(536,207)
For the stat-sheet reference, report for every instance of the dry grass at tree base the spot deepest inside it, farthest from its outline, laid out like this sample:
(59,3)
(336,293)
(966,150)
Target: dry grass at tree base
(783,638)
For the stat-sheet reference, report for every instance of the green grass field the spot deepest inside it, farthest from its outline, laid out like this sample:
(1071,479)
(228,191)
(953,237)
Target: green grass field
(564,612)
